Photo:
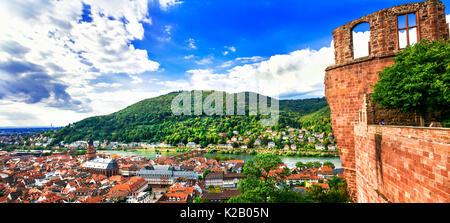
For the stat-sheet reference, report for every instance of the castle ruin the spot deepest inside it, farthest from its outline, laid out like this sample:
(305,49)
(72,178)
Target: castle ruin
(393,162)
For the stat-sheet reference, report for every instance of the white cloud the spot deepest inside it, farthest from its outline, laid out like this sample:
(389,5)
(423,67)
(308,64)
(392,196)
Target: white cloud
(168,29)
(227,64)
(136,79)
(231,48)
(23,114)
(166,4)
(108,85)
(47,41)
(168,34)
(188,57)
(300,73)
(204,61)
(191,43)
(249,59)
(56,37)
(361,44)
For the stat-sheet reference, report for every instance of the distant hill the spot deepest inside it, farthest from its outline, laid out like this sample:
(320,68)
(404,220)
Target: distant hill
(151,120)
(24,130)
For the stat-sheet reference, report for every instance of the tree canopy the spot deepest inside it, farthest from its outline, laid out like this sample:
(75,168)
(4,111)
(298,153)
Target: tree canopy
(419,80)
(263,175)
(265,183)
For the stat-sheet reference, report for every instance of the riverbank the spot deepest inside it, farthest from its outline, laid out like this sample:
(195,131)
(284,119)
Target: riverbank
(280,153)
(239,151)
(290,161)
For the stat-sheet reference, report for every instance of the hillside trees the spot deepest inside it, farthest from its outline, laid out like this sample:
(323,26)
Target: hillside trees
(151,120)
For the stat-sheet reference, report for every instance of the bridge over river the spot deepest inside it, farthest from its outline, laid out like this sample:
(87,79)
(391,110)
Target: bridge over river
(186,155)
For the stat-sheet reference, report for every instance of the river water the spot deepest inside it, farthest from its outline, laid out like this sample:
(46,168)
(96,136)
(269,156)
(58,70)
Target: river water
(288,160)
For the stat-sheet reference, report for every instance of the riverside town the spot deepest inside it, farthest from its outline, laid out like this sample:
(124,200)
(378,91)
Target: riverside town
(240,102)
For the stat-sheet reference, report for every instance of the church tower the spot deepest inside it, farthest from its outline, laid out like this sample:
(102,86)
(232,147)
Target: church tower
(90,152)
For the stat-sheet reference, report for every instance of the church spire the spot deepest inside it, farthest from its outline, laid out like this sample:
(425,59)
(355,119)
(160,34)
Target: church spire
(90,152)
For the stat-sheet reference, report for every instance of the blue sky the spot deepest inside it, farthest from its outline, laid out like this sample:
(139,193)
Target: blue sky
(254,28)
(62,61)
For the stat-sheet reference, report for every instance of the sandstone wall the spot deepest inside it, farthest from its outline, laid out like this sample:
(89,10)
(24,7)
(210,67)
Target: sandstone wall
(402,164)
(345,89)
(349,80)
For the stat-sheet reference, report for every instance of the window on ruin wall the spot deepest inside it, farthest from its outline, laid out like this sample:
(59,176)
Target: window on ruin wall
(361,38)
(407,30)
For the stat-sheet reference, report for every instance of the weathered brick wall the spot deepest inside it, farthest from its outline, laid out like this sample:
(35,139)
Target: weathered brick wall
(402,164)
(348,80)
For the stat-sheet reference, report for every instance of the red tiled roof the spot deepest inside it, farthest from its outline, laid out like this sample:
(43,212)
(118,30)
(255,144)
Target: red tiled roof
(117,193)
(217,169)
(235,161)
(323,185)
(299,177)
(94,199)
(178,197)
(131,185)
(4,199)
(326,169)
(117,178)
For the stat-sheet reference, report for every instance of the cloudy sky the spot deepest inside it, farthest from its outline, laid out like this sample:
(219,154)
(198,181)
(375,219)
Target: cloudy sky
(62,61)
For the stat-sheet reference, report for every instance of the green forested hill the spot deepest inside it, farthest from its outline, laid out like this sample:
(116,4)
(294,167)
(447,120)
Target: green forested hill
(151,120)
(318,121)
(321,114)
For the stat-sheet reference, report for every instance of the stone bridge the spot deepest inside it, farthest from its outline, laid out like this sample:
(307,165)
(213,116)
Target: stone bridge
(186,155)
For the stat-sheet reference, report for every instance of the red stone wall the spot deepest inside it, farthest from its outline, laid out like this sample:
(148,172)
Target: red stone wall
(402,164)
(348,80)
(345,89)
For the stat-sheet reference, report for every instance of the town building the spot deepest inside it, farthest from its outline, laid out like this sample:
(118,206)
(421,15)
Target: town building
(141,197)
(222,196)
(319,146)
(180,193)
(103,166)
(132,187)
(128,170)
(163,175)
(223,180)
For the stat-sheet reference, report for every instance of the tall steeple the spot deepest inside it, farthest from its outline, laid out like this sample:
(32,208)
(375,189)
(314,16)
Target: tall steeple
(90,152)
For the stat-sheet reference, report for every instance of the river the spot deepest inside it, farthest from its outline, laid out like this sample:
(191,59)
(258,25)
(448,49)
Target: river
(288,160)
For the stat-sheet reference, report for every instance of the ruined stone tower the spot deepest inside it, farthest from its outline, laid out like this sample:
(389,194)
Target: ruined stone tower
(386,163)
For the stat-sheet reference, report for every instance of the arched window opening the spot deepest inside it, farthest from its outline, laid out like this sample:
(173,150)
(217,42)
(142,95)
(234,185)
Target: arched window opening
(361,38)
